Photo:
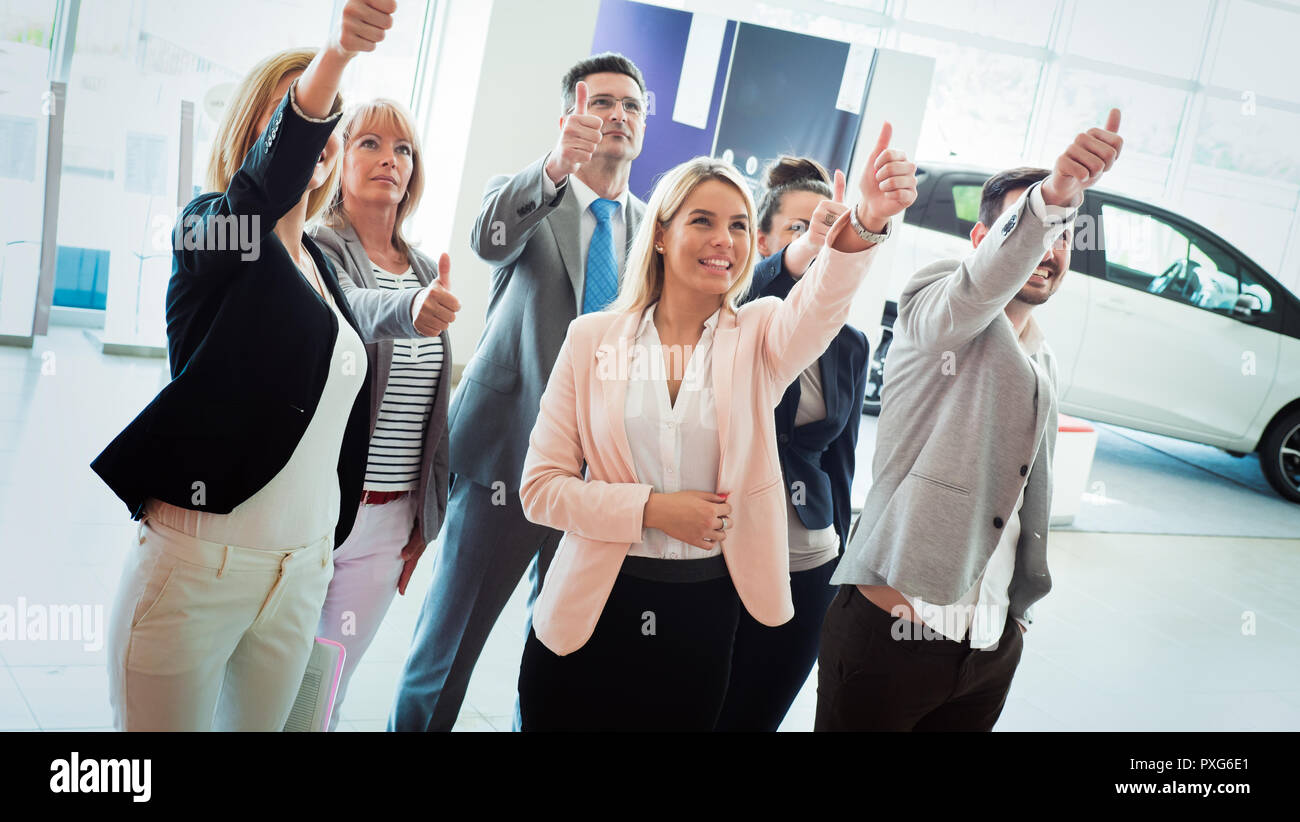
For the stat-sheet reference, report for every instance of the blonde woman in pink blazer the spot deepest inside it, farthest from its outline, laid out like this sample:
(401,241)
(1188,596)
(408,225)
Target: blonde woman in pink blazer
(666,398)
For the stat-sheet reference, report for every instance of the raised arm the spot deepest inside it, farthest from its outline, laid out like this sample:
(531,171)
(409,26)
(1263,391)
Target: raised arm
(775,275)
(770,278)
(278,166)
(513,207)
(808,319)
(942,310)
(800,253)
(381,314)
(553,490)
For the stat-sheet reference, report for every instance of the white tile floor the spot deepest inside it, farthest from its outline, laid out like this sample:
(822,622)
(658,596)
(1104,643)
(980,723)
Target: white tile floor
(1141,632)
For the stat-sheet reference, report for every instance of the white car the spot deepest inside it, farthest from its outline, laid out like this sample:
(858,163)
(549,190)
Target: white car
(1161,326)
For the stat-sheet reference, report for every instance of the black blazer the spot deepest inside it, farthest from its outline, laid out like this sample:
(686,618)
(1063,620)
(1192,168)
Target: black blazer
(249,343)
(820,454)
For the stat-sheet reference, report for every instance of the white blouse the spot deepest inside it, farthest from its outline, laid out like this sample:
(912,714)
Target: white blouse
(674,445)
(300,504)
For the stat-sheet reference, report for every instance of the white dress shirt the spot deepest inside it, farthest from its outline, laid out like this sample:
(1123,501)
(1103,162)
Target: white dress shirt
(675,446)
(983,610)
(587,223)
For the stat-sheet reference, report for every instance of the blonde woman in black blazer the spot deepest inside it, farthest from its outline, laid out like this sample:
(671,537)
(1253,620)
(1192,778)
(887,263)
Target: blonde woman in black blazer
(244,470)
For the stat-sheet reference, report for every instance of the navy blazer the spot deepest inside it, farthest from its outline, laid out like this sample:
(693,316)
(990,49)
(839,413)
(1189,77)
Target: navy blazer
(249,343)
(820,454)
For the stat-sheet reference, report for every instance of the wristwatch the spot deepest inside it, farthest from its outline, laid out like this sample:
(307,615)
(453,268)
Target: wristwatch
(869,236)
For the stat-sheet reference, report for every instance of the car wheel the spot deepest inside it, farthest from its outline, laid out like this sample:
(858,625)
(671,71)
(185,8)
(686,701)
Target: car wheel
(1279,456)
(876,377)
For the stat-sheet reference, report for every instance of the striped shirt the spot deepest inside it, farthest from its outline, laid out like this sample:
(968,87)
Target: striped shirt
(397,446)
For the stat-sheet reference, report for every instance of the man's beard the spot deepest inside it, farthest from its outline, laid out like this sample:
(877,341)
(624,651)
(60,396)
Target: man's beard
(1031,295)
(1031,298)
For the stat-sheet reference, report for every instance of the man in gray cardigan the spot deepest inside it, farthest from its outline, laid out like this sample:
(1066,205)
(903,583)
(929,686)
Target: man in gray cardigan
(950,551)
(557,235)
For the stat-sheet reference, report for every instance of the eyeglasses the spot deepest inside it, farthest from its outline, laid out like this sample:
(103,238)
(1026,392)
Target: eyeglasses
(602,104)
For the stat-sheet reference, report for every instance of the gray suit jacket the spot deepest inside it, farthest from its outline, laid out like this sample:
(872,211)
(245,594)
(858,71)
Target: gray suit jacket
(384,315)
(964,416)
(537,280)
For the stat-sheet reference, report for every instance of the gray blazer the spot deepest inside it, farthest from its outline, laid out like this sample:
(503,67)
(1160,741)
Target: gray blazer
(382,316)
(537,281)
(964,417)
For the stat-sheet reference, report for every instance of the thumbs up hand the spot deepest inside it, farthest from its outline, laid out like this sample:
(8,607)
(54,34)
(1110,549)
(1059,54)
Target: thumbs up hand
(888,183)
(362,25)
(1092,153)
(434,307)
(579,135)
(826,213)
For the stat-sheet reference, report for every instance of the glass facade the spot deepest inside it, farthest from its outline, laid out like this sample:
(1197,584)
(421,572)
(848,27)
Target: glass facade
(1208,93)
(134,66)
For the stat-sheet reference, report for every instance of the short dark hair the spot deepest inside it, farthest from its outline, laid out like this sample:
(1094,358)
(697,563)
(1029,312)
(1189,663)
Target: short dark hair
(608,61)
(996,188)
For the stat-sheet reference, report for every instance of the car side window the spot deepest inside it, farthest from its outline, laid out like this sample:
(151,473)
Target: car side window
(954,207)
(1224,285)
(966,203)
(1253,287)
(1151,255)
(1143,252)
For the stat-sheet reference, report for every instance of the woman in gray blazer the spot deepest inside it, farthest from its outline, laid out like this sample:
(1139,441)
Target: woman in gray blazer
(403,307)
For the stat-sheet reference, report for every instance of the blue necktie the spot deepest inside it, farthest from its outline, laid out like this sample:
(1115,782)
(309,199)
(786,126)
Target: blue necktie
(602,271)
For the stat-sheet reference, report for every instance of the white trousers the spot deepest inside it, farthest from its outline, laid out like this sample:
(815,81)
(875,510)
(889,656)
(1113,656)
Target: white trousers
(206,636)
(366,569)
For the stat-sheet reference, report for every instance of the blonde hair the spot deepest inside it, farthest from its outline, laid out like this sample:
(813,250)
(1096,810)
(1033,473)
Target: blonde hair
(392,116)
(643,279)
(238,130)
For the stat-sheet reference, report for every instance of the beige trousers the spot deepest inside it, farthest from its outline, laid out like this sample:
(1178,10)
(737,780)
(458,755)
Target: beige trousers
(206,636)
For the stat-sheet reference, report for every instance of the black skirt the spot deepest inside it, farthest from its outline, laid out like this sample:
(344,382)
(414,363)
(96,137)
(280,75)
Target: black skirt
(658,660)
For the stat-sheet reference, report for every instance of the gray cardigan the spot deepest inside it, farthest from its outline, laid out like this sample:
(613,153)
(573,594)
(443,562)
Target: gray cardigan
(964,417)
(382,316)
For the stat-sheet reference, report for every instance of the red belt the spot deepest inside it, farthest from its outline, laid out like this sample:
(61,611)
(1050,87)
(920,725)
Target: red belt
(381,497)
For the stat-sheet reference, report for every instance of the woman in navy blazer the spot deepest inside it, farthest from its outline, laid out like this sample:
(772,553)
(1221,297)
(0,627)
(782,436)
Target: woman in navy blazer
(245,470)
(817,434)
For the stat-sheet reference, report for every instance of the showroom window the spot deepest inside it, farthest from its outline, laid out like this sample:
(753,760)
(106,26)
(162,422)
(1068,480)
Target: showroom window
(122,174)
(1023,21)
(978,116)
(26,31)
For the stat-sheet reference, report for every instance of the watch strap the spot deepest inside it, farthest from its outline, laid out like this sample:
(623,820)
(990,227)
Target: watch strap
(864,233)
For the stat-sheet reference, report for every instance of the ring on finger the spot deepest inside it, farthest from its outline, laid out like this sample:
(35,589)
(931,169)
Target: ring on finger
(726,523)
(829,220)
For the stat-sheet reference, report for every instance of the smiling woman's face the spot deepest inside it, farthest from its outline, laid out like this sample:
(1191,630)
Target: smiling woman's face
(706,244)
(377,166)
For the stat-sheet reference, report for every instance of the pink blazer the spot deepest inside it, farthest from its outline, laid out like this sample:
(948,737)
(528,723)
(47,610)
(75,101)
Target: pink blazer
(757,352)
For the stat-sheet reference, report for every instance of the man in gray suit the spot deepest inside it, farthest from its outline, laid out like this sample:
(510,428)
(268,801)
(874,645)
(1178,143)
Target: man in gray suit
(557,234)
(951,548)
